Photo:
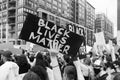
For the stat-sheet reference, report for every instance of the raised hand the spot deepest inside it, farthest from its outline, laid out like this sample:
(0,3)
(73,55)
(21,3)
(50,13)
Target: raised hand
(54,48)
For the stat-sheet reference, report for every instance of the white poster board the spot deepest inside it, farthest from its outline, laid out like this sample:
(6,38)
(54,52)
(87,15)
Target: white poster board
(100,38)
(100,43)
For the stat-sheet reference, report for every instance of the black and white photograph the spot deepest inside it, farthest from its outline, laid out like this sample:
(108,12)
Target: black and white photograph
(59,39)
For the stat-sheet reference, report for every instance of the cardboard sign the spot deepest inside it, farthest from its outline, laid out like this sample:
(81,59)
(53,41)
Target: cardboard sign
(100,38)
(41,32)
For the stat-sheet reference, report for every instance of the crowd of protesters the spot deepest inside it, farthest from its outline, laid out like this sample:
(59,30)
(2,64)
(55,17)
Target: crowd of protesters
(50,65)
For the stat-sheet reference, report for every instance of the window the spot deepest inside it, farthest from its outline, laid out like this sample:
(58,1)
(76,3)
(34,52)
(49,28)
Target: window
(24,17)
(29,3)
(54,7)
(4,14)
(4,34)
(65,6)
(20,11)
(44,16)
(57,21)
(65,1)
(51,18)
(20,25)
(54,2)
(19,32)
(4,20)
(62,23)
(4,6)
(59,5)
(20,2)
(42,2)
(28,10)
(49,5)
(20,18)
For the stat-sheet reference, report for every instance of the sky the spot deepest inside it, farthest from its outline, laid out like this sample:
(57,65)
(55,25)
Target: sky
(109,7)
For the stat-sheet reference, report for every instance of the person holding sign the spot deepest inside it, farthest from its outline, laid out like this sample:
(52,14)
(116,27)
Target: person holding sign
(54,51)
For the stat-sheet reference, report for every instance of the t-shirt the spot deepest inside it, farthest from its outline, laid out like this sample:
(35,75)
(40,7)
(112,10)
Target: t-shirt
(9,71)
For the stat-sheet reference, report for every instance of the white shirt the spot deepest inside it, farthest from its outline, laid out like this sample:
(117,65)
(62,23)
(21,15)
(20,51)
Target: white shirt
(9,71)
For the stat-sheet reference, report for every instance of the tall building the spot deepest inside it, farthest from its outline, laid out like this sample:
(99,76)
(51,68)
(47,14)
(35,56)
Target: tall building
(70,14)
(90,23)
(7,15)
(102,23)
(118,14)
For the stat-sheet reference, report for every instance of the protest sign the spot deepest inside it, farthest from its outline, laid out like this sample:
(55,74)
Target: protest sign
(100,42)
(76,29)
(100,38)
(41,32)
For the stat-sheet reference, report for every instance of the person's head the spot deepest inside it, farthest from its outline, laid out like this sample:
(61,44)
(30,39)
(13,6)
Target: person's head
(89,55)
(31,76)
(40,71)
(117,77)
(6,56)
(23,64)
(66,58)
(31,58)
(39,56)
(70,72)
(87,61)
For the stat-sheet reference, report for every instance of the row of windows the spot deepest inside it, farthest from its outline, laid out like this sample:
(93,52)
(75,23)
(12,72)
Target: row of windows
(58,21)
(28,3)
(90,18)
(90,22)
(21,10)
(55,3)
(21,18)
